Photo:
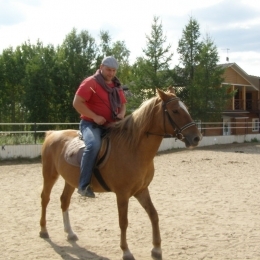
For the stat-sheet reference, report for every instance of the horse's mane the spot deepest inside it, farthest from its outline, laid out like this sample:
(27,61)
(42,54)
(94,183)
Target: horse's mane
(131,128)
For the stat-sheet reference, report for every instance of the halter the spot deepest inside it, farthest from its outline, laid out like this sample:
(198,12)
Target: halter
(177,130)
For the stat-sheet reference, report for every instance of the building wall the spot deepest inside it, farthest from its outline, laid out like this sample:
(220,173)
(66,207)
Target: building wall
(211,130)
(233,77)
(239,126)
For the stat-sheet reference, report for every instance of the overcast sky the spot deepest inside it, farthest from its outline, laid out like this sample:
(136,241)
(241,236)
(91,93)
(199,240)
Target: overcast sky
(233,25)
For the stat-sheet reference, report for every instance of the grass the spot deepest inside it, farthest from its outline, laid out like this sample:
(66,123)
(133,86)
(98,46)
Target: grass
(14,139)
(254,140)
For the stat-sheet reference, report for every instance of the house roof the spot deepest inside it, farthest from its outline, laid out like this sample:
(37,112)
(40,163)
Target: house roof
(253,80)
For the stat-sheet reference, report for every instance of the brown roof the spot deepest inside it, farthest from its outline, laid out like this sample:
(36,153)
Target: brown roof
(254,80)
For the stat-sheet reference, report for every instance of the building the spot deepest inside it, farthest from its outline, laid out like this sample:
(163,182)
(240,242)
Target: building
(242,115)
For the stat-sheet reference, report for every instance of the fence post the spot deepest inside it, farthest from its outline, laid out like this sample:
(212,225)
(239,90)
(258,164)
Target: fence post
(35,137)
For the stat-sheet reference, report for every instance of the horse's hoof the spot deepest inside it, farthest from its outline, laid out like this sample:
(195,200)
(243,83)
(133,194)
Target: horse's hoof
(128,256)
(73,237)
(156,254)
(44,234)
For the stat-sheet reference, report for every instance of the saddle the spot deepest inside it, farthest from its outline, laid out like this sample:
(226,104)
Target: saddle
(74,151)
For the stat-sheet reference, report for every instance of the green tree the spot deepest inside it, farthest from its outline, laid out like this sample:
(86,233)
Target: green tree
(117,49)
(152,70)
(210,96)
(38,82)
(75,61)
(12,71)
(199,75)
(188,49)
(121,53)
(104,47)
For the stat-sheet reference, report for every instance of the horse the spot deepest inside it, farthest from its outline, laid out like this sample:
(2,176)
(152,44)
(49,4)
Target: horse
(129,167)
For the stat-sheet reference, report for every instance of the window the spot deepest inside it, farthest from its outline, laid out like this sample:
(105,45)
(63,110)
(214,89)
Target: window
(255,124)
(226,126)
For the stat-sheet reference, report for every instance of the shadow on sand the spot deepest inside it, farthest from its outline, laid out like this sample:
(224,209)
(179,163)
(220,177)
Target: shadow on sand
(74,252)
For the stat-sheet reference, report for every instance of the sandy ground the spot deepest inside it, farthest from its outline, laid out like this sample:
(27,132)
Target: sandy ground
(207,199)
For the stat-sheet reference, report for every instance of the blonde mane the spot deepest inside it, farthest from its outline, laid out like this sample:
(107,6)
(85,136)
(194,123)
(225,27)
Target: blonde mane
(131,128)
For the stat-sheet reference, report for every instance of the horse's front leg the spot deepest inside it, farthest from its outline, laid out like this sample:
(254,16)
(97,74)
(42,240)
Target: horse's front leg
(146,202)
(122,205)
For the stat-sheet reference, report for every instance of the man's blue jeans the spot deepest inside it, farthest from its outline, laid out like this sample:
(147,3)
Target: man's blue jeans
(92,138)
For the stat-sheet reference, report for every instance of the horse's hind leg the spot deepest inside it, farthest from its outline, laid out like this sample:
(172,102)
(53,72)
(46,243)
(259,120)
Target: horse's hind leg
(50,176)
(146,202)
(65,202)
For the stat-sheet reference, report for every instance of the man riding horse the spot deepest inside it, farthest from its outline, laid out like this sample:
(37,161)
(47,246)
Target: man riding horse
(100,101)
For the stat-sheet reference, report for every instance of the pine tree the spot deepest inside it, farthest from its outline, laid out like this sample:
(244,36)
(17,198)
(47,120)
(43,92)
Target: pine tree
(199,75)
(152,70)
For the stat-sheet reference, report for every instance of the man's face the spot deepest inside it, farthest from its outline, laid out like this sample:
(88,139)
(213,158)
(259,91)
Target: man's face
(108,73)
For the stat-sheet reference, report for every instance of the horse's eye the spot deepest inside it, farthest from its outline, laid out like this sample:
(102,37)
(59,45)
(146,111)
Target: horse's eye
(175,111)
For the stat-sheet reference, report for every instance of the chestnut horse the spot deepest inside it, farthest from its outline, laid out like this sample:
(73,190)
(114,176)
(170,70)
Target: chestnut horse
(129,169)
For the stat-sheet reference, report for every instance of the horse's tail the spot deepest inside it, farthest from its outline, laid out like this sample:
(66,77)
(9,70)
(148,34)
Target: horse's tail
(46,144)
(47,134)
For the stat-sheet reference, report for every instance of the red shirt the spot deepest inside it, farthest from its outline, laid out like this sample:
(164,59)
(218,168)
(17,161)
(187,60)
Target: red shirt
(97,98)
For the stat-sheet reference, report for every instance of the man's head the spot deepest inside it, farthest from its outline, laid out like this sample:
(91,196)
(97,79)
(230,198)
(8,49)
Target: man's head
(110,62)
(108,68)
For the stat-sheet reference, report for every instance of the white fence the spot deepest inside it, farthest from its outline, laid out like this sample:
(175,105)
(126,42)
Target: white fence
(20,151)
(171,143)
(34,151)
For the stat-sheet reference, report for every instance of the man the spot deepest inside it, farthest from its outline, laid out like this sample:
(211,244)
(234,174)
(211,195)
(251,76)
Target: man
(99,100)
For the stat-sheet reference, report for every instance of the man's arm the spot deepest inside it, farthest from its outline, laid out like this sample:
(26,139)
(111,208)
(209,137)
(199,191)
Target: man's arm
(81,108)
(122,112)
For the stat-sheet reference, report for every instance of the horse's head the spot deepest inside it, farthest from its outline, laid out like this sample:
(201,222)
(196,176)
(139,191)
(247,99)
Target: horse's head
(177,120)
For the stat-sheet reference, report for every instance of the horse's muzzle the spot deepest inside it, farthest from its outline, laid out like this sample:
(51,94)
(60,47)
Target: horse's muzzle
(192,141)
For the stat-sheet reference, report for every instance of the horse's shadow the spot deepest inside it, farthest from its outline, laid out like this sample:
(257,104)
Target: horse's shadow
(68,252)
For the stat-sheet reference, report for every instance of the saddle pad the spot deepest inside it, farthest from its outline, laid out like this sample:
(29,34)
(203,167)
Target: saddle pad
(74,151)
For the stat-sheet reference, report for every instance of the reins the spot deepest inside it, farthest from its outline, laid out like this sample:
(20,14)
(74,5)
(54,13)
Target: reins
(177,130)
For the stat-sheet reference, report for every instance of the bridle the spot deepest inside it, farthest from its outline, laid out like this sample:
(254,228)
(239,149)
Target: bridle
(177,130)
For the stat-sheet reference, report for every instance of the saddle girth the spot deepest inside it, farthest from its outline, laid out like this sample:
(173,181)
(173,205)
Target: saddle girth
(96,171)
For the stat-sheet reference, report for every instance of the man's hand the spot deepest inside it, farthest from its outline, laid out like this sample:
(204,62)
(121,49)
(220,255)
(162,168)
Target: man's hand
(120,116)
(99,120)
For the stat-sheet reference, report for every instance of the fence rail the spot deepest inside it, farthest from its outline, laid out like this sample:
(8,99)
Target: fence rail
(30,124)
(37,130)
(28,143)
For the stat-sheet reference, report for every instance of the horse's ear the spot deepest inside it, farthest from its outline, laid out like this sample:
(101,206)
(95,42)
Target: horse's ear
(165,95)
(162,94)
(171,90)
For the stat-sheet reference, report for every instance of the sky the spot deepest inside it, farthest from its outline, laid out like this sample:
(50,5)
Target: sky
(233,25)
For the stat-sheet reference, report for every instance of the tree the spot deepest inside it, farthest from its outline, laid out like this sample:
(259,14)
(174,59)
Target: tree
(152,70)
(117,49)
(12,72)
(199,75)
(211,96)
(75,61)
(77,58)
(188,49)
(38,82)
